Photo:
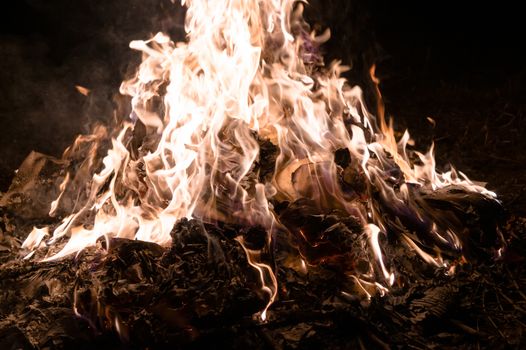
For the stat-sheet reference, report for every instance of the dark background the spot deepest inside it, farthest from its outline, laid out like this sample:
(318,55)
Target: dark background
(461,65)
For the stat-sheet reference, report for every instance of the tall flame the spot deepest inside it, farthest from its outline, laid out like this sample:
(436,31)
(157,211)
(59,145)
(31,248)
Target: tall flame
(249,70)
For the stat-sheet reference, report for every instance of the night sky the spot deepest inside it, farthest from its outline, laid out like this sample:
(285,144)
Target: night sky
(49,46)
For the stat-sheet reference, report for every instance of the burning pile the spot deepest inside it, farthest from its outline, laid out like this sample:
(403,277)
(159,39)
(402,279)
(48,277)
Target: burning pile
(244,126)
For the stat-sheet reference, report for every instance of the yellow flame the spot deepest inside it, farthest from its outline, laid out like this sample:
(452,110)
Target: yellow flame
(249,69)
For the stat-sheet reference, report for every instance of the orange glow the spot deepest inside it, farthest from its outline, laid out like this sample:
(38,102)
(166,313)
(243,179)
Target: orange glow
(246,72)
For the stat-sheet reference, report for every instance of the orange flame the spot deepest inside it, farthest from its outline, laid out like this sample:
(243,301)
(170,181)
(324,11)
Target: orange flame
(248,70)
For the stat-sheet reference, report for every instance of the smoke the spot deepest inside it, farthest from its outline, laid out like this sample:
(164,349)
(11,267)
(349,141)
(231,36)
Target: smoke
(50,46)
(353,38)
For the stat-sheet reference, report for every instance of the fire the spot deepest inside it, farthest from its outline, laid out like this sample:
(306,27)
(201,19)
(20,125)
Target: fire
(250,70)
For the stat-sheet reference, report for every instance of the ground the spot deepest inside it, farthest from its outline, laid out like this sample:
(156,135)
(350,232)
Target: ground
(456,83)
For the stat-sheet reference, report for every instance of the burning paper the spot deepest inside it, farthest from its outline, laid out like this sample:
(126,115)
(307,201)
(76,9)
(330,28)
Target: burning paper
(250,74)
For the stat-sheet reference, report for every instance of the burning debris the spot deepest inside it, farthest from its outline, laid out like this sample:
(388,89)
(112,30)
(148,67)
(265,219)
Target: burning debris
(248,174)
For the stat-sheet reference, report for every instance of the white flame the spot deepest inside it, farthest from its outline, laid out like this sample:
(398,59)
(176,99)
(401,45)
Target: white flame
(34,239)
(248,70)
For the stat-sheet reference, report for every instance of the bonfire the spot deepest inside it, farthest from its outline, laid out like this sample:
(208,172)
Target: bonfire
(248,175)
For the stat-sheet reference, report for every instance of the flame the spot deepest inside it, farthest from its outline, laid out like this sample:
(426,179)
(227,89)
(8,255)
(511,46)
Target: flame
(82,90)
(249,70)
(34,240)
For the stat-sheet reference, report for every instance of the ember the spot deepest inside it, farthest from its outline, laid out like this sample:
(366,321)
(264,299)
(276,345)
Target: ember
(248,182)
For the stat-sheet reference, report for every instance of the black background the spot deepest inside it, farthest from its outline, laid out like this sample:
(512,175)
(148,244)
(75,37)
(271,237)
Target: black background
(461,64)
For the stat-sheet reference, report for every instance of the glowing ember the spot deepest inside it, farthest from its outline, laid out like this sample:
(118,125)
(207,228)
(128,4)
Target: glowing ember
(250,71)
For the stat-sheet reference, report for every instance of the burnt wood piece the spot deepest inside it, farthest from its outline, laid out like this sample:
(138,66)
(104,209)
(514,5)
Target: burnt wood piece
(191,295)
